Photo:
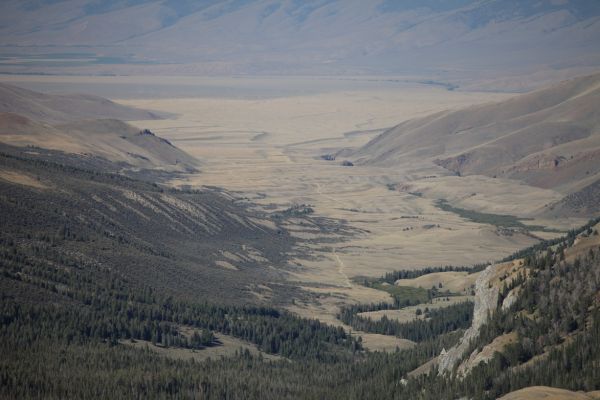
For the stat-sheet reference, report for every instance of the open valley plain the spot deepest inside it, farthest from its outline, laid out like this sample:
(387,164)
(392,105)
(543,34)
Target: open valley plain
(281,143)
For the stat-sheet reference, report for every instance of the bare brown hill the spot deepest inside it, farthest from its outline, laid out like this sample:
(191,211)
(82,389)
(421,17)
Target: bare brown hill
(548,138)
(19,130)
(111,139)
(88,125)
(57,108)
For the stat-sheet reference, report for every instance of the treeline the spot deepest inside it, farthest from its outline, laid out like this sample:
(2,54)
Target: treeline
(566,240)
(273,331)
(91,302)
(433,324)
(560,295)
(554,301)
(53,370)
(95,370)
(110,315)
(392,277)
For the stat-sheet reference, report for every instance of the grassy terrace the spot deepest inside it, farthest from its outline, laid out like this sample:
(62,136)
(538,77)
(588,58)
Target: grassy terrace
(403,296)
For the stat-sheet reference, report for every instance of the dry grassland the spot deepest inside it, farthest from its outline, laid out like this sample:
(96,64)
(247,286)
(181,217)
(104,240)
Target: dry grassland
(270,148)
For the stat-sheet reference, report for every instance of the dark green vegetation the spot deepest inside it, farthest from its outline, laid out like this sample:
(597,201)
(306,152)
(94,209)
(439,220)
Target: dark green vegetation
(556,318)
(99,257)
(92,259)
(392,277)
(296,210)
(91,221)
(500,220)
(95,370)
(566,240)
(435,323)
(404,295)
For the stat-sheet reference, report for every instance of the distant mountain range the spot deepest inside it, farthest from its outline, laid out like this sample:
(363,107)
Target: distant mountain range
(496,41)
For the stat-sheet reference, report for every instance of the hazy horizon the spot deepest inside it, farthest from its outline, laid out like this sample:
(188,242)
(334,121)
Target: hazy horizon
(464,42)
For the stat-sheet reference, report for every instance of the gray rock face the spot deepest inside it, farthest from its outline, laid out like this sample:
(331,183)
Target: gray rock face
(510,299)
(486,300)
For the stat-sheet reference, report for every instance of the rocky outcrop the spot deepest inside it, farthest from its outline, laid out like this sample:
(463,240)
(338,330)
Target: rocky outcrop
(510,299)
(486,300)
(486,353)
(455,164)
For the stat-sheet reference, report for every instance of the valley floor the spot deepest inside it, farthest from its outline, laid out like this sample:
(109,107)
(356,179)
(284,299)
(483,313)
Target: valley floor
(267,145)
(270,148)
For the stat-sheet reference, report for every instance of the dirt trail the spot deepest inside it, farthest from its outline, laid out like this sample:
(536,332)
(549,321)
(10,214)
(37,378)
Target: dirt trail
(341,269)
(320,193)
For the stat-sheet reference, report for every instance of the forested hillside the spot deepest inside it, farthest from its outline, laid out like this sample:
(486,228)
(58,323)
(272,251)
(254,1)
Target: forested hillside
(88,267)
(59,211)
(554,314)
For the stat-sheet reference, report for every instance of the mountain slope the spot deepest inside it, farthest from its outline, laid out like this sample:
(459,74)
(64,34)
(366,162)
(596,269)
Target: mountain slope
(548,138)
(119,141)
(168,239)
(55,108)
(85,124)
